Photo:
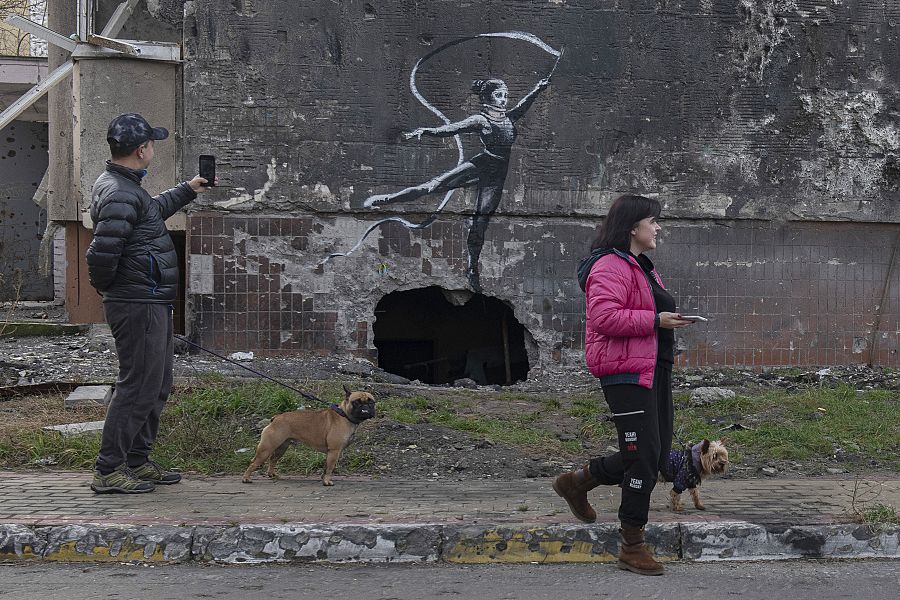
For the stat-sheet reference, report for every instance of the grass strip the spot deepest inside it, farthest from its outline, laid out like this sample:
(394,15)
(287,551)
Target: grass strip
(214,427)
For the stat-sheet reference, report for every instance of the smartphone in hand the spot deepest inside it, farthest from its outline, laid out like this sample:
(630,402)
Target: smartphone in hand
(208,169)
(694,318)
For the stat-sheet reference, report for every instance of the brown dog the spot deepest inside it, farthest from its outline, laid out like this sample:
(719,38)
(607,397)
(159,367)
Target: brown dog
(325,430)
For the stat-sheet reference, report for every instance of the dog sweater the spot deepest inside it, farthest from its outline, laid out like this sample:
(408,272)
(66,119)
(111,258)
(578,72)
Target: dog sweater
(683,468)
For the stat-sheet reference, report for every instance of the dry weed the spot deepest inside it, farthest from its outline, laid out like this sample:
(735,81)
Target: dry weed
(33,412)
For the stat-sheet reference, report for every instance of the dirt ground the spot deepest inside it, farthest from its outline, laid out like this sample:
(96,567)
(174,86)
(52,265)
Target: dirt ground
(428,450)
(431,451)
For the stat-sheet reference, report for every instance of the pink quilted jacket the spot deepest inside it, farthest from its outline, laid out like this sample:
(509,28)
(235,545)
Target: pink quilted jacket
(620,338)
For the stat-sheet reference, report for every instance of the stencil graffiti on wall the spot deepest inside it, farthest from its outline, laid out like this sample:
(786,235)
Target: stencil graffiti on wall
(487,170)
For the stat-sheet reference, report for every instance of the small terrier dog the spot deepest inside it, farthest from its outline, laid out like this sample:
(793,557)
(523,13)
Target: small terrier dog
(686,469)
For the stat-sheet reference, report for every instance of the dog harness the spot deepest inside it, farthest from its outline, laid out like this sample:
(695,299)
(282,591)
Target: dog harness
(683,468)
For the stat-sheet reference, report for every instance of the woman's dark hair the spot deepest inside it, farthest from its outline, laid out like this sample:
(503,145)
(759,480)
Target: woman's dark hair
(623,215)
(485,87)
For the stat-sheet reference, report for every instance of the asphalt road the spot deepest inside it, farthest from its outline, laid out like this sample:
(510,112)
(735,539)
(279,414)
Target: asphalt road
(797,580)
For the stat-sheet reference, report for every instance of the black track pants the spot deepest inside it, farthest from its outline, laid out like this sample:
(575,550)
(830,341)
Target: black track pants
(644,422)
(144,345)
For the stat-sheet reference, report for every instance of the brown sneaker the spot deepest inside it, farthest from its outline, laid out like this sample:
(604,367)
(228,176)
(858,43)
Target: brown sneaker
(573,488)
(633,553)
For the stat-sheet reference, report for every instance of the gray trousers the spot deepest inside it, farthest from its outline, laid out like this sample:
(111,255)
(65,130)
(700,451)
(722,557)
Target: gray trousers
(145,347)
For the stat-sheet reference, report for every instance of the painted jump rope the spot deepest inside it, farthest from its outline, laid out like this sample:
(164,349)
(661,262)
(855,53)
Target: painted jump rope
(487,170)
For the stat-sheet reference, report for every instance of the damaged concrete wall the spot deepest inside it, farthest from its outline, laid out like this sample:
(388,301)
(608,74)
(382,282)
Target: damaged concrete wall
(151,90)
(102,87)
(767,127)
(153,20)
(23,162)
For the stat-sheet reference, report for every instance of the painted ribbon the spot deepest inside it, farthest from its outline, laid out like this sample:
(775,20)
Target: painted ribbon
(514,35)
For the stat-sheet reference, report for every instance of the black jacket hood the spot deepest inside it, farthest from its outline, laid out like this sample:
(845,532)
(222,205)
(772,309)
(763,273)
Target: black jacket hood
(584,267)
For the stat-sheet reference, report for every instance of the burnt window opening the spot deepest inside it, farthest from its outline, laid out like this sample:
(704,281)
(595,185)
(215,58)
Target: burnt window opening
(420,334)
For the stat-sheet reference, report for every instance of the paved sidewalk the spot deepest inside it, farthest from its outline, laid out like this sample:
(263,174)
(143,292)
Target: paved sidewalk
(64,497)
(215,518)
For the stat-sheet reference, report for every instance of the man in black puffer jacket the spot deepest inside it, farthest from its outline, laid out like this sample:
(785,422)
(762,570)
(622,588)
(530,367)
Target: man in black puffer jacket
(132,262)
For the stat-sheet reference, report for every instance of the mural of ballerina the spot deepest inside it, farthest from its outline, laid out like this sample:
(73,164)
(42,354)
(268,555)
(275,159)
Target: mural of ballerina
(487,170)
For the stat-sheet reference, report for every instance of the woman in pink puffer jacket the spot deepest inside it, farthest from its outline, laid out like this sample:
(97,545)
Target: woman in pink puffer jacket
(629,346)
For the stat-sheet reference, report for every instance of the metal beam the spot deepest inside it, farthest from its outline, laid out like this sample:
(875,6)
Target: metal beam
(113,27)
(39,31)
(161,51)
(40,195)
(118,45)
(34,94)
(85,18)
(118,19)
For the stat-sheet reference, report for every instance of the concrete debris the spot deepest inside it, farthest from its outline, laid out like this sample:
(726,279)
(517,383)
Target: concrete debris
(362,369)
(241,356)
(41,329)
(91,357)
(465,382)
(73,429)
(89,394)
(710,395)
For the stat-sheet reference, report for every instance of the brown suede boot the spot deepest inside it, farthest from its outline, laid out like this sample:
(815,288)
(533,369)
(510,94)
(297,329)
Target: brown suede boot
(633,553)
(573,488)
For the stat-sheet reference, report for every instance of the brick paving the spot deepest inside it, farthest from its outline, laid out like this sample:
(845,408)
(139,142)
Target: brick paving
(48,498)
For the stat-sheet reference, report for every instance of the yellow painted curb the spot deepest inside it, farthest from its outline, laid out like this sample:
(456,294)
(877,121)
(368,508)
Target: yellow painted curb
(68,552)
(27,553)
(533,545)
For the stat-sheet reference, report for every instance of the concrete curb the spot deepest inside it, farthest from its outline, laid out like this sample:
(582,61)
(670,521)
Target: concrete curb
(465,544)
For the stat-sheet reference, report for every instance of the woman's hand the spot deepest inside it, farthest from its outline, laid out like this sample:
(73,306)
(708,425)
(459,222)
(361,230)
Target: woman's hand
(670,320)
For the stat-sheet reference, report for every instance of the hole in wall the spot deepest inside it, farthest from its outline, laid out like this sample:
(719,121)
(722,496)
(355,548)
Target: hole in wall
(438,336)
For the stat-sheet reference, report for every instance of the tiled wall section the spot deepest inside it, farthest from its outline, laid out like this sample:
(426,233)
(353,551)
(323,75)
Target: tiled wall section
(790,294)
(238,300)
(776,294)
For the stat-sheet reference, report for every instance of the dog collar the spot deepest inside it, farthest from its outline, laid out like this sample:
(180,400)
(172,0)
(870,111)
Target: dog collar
(341,412)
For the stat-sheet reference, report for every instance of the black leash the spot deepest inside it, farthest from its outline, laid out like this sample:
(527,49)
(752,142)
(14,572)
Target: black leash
(303,393)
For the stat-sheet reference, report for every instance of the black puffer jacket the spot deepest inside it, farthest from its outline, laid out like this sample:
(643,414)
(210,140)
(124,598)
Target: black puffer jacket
(132,257)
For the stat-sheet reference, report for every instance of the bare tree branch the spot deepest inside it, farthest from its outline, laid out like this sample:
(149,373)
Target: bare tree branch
(13,41)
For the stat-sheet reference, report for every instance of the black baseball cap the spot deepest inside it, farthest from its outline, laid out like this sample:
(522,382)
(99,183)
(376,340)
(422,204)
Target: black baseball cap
(131,130)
